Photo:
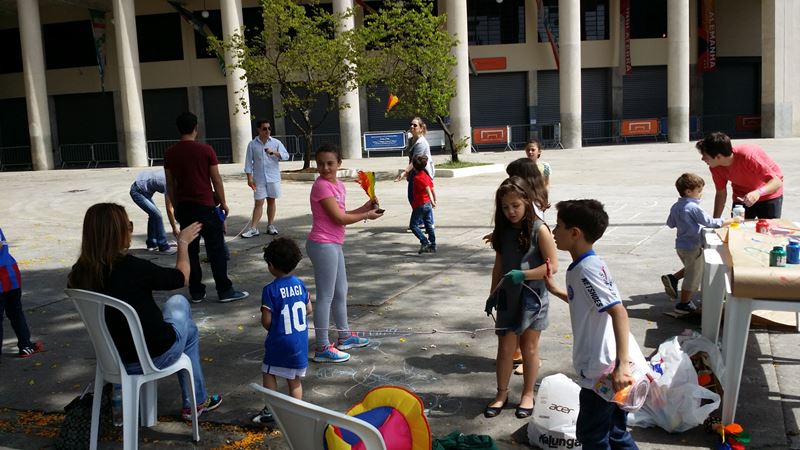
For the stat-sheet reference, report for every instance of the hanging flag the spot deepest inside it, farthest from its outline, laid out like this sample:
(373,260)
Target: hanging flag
(367,182)
(98,20)
(544,16)
(625,11)
(199,26)
(393,100)
(707,37)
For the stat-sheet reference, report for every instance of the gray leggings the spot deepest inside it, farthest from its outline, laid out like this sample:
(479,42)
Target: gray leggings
(330,277)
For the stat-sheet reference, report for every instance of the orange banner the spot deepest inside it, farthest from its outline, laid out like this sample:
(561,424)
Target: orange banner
(491,135)
(638,127)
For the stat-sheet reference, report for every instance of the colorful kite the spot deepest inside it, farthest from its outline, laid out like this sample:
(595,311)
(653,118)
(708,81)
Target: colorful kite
(393,100)
(367,181)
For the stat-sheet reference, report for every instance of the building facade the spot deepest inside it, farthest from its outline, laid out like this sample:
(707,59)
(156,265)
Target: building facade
(686,67)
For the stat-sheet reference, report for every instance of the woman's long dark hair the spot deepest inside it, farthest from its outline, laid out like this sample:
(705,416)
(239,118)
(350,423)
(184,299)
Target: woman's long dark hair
(518,186)
(106,235)
(527,169)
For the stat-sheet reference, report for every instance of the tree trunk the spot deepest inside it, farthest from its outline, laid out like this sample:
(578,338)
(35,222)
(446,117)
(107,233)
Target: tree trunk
(449,138)
(309,138)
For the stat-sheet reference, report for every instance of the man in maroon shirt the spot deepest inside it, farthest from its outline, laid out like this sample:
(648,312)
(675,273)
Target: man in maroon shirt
(191,169)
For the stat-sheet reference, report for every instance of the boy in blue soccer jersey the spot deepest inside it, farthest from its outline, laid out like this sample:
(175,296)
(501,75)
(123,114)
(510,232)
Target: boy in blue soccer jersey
(285,303)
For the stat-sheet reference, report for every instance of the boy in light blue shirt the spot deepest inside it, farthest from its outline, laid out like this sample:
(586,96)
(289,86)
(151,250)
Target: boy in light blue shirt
(689,219)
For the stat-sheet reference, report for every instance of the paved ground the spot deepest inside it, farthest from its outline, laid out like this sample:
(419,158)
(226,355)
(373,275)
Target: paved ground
(395,294)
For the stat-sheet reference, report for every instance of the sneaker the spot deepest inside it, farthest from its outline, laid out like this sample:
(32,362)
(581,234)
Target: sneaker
(432,248)
(250,232)
(423,248)
(198,298)
(264,416)
(670,285)
(685,308)
(168,250)
(27,352)
(352,341)
(272,230)
(210,404)
(331,355)
(152,249)
(233,296)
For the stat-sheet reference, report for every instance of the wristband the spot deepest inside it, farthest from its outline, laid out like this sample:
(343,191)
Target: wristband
(761,191)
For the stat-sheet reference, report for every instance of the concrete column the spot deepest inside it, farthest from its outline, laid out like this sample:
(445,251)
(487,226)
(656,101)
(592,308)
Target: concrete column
(617,35)
(350,117)
(195,100)
(241,133)
(33,71)
(279,125)
(460,121)
(780,89)
(533,97)
(119,123)
(130,83)
(678,70)
(569,75)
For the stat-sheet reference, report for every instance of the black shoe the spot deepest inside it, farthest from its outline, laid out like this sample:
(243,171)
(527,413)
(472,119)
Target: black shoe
(523,413)
(197,298)
(670,285)
(423,248)
(494,411)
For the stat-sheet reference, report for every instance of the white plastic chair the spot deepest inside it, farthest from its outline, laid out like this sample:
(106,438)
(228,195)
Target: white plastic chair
(110,368)
(303,424)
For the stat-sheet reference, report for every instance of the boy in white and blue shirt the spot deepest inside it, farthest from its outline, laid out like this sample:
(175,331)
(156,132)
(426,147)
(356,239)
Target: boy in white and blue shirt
(600,329)
(689,219)
(285,303)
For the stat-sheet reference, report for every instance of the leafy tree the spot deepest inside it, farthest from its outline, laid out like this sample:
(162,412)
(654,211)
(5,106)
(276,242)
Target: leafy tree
(299,52)
(410,53)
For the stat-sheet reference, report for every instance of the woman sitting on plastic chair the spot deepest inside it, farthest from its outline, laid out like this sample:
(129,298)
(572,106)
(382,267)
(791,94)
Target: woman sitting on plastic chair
(104,266)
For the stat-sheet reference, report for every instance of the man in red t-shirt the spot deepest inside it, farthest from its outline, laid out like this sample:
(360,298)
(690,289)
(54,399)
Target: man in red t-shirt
(756,180)
(191,169)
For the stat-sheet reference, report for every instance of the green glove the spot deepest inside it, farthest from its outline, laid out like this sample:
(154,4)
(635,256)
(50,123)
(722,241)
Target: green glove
(516,276)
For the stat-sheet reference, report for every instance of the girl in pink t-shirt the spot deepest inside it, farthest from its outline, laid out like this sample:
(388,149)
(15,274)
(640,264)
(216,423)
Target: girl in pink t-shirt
(324,249)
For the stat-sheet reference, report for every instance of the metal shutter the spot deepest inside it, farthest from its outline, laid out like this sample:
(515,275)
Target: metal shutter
(161,107)
(733,89)
(498,99)
(215,108)
(644,93)
(548,89)
(86,118)
(14,122)
(595,94)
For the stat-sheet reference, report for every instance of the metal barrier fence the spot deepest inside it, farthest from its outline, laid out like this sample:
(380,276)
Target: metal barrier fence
(292,144)
(600,132)
(223,148)
(548,135)
(93,154)
(17,156)
(156,150)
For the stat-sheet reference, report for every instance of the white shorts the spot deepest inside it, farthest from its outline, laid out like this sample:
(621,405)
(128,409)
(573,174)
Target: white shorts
(267,190)
(283,372)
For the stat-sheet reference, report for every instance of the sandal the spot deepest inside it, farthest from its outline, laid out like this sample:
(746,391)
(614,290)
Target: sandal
(494,411)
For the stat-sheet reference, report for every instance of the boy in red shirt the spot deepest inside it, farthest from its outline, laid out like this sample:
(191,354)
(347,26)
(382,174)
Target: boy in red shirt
(422,203)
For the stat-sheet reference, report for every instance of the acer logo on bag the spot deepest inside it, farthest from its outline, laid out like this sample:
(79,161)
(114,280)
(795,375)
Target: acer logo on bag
(554,442)
(561,409)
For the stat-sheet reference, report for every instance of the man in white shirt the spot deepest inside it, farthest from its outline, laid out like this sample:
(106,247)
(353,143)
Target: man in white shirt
(264,176)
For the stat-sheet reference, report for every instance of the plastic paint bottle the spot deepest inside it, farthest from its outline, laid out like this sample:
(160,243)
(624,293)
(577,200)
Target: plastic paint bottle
(793,252)
(738,210)
(777,257)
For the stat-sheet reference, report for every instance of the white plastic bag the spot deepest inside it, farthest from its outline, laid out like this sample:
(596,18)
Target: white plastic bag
(555,414)
(694,343)
(675,397)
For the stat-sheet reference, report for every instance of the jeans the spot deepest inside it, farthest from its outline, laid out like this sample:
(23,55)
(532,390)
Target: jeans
(212,234)
(10,302)
(424,214)
(155,224)
(601,424)
(178,313)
